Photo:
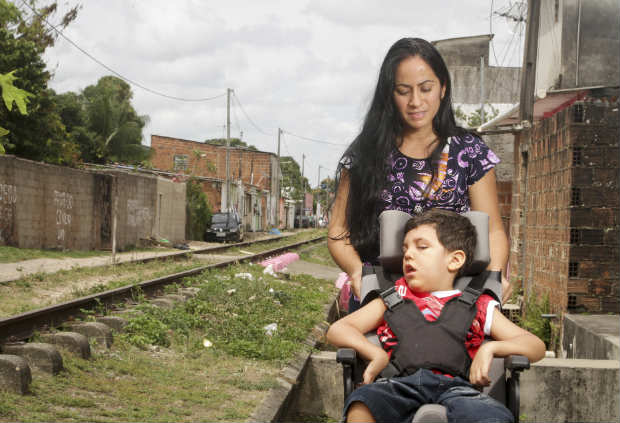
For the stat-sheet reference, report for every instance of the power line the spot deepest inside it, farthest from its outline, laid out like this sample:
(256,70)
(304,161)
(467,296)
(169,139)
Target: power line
(314,140)
(124,78)
(248,117)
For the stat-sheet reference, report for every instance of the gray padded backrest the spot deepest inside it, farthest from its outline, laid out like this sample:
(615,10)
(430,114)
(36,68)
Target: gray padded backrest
(392,226)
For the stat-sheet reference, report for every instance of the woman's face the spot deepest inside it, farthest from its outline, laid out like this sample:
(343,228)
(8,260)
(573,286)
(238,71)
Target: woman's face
(417,93)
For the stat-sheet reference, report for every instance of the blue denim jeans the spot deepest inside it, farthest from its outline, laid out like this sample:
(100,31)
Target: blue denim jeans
(398,399)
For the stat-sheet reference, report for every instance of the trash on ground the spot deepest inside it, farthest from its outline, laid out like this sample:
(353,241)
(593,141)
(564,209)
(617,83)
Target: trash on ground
(269,271)
(244,276)
(207,343)
(231,291)
(275,231)
(280,262)
(270,329)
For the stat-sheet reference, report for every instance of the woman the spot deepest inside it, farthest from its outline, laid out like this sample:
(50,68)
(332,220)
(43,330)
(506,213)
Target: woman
(410,156)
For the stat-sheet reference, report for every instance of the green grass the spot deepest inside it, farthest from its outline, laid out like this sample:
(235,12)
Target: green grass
(173,376)
(13,255)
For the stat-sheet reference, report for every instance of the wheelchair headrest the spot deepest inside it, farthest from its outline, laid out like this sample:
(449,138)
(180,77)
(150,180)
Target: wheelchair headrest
(392,228)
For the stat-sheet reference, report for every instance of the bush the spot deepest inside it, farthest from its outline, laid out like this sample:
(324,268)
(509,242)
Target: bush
(198,211)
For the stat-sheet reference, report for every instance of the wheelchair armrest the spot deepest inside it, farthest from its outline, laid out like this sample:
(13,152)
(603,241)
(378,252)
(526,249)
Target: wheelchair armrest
(346,356)
(516,363)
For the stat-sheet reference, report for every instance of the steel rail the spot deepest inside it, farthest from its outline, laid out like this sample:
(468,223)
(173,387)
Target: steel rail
(24,325)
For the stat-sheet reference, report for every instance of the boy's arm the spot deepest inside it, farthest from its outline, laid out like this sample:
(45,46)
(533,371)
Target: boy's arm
(349,332)
(508,339)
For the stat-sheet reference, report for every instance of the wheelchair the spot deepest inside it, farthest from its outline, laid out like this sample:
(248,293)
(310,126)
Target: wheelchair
(504,372)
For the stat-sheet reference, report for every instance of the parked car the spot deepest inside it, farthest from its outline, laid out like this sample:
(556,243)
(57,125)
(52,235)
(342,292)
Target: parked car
(225,226)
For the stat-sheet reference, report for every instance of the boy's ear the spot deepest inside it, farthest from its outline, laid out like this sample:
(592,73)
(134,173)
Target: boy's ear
(456,260)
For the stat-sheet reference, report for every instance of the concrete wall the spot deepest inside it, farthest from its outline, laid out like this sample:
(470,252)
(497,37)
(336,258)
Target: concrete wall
(566,61)
(590,337)
(47,206)
(560,390)
(170,215)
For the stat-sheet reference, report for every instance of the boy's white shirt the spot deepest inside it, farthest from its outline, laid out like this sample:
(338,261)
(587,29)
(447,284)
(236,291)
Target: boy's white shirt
(490,307)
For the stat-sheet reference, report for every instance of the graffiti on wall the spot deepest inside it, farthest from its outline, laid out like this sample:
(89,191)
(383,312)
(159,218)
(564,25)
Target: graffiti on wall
(138,216)
(8,199)
(64,205)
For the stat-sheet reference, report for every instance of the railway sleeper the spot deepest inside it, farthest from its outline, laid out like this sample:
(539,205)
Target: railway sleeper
(15,374)
(116,323)
(94,331)
(42,356)
(72,342)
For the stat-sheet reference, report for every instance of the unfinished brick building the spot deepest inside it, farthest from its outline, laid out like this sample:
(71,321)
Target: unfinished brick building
(254,176)
(565,215)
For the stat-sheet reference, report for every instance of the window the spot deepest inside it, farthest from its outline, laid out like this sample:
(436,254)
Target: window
(577,156)
(180,161)
(573,269)
(575,198)
(572,302)
(579,113)
(575,236)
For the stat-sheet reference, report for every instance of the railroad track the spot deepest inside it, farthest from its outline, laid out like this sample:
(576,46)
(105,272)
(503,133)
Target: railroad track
(23,326)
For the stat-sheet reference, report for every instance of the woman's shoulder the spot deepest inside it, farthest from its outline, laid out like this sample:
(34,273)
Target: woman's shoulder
(466,139)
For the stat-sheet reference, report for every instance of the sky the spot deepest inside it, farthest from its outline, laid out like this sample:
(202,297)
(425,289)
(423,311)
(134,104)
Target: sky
(308,67)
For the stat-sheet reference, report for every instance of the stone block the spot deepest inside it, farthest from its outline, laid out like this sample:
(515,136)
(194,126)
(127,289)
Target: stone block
(15,374)
(44,357)
(99,332)
(189,292)
(73,342)
(175,298)
(165,303)
(114,322)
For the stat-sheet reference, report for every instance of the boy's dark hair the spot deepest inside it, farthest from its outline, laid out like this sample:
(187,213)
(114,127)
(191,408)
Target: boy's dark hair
(454,232)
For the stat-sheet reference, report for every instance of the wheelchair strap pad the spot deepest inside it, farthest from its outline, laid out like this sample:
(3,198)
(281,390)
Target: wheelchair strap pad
(391,298)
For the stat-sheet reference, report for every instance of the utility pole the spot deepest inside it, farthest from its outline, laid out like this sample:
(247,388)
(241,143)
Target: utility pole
(279,182)
(528,76)
(318,197)
(481,90)
(303,182)
(228,92)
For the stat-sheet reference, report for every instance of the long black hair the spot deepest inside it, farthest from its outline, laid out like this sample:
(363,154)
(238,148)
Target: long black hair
(366,158)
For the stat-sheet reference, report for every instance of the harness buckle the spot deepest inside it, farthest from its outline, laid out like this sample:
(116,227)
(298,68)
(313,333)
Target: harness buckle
(391,298)
(469,296)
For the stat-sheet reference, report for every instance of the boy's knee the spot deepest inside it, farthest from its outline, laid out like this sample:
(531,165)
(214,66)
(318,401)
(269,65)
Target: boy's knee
(359,412)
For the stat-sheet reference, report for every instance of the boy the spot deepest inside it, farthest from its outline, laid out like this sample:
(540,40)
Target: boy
(438,244)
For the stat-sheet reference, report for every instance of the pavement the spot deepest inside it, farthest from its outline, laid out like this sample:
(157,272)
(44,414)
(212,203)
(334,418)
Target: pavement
(14,271)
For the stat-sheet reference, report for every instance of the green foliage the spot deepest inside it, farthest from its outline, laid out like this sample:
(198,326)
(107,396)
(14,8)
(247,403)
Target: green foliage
(473,120)
(198,210)
(11,94)
(234,142)
(534,322)
(292,181)
(24,37)
(103,123)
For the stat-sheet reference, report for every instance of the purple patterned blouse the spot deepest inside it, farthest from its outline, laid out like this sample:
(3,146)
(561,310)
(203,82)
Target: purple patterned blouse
(465,160)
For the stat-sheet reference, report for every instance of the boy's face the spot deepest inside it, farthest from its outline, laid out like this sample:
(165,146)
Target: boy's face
(427,265)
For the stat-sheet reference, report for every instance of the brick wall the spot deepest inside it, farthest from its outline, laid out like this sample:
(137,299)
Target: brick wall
(564,222)
(257,171)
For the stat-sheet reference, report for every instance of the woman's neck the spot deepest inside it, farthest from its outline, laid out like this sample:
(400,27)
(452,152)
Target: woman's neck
(418,143)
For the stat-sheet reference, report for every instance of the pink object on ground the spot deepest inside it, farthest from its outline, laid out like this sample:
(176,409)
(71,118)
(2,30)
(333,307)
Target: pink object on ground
(280,262)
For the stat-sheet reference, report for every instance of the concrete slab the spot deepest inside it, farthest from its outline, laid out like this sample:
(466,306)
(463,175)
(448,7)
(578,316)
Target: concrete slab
(99,332)
(15,374)
(73,342)
(44,357)
(593,337)
(313,269)
(114,322)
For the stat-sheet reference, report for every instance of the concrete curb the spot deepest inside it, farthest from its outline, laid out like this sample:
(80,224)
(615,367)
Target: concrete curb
(278,400)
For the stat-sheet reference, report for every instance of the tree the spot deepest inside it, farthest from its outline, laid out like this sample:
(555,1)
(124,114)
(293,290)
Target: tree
(292,181)
(24,37)
(473,120)
(234,142)
(112,131)
(198,210)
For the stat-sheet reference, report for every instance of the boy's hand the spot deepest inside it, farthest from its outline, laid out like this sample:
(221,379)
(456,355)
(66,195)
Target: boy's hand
(479,370)
(375,366)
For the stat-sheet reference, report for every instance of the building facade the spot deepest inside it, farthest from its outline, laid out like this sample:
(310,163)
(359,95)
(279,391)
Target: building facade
(254,176)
